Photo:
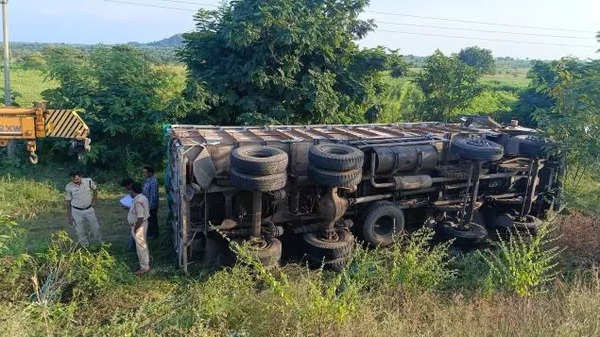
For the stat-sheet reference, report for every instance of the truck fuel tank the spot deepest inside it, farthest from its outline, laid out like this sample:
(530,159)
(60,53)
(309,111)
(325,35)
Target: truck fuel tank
(405,158)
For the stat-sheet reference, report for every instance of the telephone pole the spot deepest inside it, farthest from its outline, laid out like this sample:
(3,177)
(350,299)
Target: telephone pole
(7,101)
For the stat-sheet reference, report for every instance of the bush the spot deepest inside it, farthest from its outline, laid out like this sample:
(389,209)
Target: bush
(11,239)
(124,96)
(523,264)
(410,263)
(67,270)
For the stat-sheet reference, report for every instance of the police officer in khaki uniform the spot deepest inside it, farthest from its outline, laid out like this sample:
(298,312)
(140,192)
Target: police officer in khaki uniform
(80,196)
(138,220)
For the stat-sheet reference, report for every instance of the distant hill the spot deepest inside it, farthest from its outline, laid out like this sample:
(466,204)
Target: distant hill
(174,41)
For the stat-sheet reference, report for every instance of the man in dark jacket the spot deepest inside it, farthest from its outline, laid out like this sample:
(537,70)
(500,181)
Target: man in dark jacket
(150,190)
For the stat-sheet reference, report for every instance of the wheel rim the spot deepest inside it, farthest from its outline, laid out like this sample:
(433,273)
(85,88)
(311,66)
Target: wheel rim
(384,225)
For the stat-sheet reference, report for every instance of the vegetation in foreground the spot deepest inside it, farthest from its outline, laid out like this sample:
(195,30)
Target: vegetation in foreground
(415,288)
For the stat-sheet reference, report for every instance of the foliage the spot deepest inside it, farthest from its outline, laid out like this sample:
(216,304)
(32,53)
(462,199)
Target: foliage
(33,61)
(524,263)
(283,61)
(496,103)
(11,236)
(573,119)
(410,263)
(67,269)
(448,85)
(530,101)
(401,101)
(121,92)
(478,58)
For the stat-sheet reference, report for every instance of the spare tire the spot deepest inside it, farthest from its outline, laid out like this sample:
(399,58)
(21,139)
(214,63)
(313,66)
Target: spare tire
(335,178)
(268,183)
(532,147)
(335,157)
(259,160)
(382,220)
(476,148)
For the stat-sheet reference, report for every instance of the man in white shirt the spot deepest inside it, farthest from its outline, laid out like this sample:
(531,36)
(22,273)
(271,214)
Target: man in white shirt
(80,196)
(137,217)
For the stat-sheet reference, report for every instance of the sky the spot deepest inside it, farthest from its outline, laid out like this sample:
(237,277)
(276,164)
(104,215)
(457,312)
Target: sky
(416,27)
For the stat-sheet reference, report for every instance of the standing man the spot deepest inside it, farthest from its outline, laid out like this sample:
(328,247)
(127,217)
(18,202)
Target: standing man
(80,195)
(137,217)
(151,192)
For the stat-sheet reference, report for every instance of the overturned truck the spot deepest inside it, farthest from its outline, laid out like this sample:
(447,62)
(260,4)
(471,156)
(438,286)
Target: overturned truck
(309,191)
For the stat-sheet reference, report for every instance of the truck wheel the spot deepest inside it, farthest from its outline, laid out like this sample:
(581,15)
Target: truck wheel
(335,157)
(382,220)
(259,160)
(336,265)
(269,255)
(476,149)
(335,179)
(268,183)
(470,235)
(531,146)
(319,249)
(506,223)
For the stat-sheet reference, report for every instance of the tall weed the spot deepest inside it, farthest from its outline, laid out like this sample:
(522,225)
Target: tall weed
(67,270)
(523,264)
(411,263)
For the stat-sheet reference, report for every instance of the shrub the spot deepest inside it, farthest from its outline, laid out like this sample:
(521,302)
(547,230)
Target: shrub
(411,263)
(67,270)
(523,264)
(414,265)
(11,239)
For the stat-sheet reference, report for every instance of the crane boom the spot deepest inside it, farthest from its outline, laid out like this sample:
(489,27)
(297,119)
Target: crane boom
(39,122)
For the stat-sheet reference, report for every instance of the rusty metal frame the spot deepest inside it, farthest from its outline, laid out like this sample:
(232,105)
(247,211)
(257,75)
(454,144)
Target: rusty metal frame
(206,134)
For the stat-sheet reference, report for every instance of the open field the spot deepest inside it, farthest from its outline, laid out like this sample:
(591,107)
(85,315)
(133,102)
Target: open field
(27,85)
(291,301)
(516,78)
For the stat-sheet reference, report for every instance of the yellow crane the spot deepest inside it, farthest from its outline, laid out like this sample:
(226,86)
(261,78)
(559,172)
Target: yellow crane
(38,122)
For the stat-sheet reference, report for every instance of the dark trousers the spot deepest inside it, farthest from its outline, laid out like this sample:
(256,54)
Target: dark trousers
(153,223)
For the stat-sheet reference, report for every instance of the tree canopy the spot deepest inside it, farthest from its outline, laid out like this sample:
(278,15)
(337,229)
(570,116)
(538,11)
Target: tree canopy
(573,119)
(120,91)
(478,58)
(448,84)
(283,61)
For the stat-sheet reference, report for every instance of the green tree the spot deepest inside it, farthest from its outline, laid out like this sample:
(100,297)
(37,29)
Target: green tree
(120,92)
(33,60)
(478,58)
(537,99)
(574,120)
(283,61)
(448,84)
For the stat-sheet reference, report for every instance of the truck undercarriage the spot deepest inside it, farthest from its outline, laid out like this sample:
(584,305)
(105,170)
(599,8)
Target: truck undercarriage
(307,191)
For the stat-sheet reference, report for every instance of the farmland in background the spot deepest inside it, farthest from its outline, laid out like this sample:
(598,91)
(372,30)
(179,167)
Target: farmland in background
(27,85)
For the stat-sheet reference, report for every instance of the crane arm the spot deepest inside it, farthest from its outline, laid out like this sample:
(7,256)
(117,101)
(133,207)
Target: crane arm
(39,122)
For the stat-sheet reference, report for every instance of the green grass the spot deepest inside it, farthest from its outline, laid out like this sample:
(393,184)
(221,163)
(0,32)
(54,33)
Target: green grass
(27,85)
(515,78)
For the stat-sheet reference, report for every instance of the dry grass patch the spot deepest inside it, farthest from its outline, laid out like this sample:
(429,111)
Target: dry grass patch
(580,237)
